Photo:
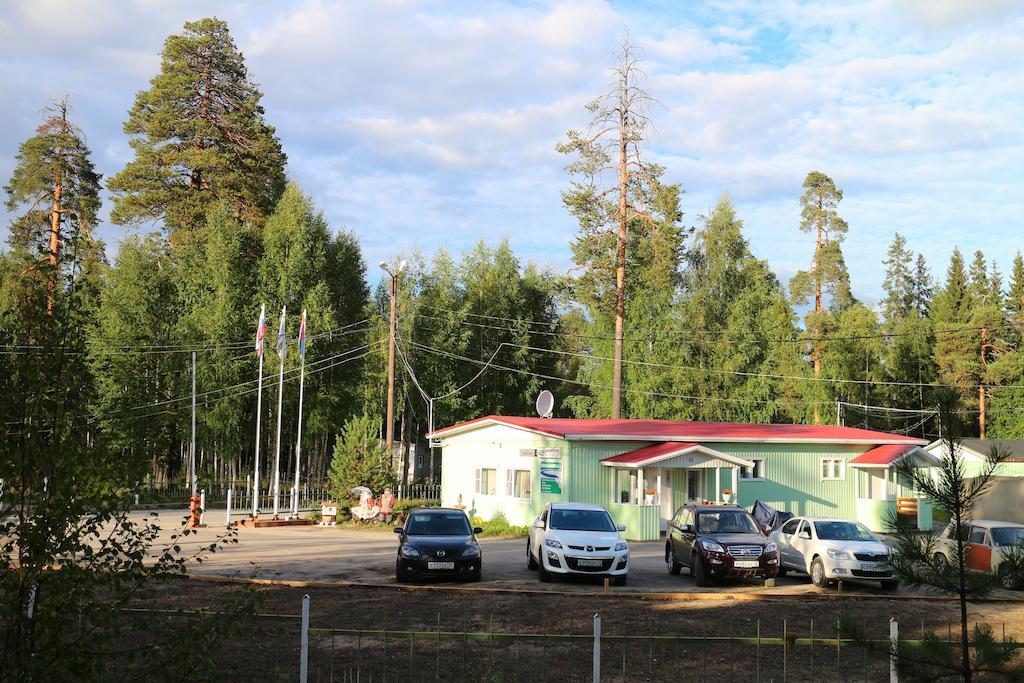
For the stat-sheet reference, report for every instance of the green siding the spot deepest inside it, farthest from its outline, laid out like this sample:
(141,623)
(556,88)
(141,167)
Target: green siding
(793,478)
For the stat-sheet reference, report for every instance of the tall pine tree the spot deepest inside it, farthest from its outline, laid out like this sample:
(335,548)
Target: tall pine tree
(199,137)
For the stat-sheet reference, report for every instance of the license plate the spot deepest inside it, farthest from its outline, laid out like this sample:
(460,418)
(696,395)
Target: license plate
(872,567)
(746,564)
(440,565)
(589,563)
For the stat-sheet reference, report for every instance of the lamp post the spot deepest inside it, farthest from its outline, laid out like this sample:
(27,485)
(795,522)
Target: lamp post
(390,430)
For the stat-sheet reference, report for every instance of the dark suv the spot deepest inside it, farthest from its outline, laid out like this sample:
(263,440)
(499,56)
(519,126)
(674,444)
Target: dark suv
(719,541)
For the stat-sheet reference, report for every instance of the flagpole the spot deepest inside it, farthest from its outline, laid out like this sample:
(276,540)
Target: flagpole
(298,441)
(280,395)
(259,413)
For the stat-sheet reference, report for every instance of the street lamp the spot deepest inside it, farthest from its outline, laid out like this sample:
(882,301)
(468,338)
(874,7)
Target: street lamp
(394,273)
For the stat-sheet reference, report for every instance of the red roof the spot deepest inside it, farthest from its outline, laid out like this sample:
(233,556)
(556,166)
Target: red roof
(678,430)
(882,455)
(642,455)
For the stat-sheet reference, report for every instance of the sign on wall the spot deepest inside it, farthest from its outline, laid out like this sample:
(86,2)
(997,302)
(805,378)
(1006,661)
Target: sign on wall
(551,471)
(548,453)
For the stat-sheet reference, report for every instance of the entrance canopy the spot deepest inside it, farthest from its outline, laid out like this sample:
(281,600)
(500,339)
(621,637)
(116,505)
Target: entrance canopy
(888,455)
(676,454)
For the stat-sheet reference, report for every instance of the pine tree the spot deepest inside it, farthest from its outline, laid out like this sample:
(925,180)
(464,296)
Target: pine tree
(828,274)
(979,288)
(922,287)
(55,188)
(628,208)
(1015,297)
(957,343)
(899,281)
(200,137)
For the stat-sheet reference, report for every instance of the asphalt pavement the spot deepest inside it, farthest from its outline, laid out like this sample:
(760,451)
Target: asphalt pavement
(315,553)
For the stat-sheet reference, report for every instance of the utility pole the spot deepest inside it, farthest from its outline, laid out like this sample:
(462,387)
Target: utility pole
(195,476)
(390,426)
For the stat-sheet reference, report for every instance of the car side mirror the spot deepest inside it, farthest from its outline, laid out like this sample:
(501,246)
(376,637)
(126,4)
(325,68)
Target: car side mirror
(478,530)
(685,527)
(767,529)
(539,524)
(620,527)
(399,530)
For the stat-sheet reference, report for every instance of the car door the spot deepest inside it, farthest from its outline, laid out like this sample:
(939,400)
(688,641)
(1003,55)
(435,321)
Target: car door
(801,544)
(537,535)
(979,554)
(687,536)
(784,539)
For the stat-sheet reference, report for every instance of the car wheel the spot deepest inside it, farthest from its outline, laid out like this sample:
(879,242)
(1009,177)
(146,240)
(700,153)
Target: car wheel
(621,580)
(818,573)
(400,576)
(941,563)
(700,577)
(1007,577)
(530,562)
(542,573)
(890,585)
(670,559)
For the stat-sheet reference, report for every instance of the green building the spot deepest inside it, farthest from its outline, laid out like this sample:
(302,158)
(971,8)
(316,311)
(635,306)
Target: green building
(643,470)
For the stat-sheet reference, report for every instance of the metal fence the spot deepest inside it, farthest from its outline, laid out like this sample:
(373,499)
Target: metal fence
(310,495)
(418,491)
(281,647)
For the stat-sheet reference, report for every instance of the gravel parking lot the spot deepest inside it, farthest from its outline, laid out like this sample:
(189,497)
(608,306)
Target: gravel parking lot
(317,553)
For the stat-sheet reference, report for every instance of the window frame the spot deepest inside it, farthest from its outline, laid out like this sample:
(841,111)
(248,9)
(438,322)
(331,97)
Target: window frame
(510,483)
(478,481)
(840,474)
(757,460)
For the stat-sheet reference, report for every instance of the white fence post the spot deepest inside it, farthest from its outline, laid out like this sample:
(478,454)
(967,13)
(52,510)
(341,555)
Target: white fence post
(227,518)
(304,646)
(597,647)
(202,506)
(894,637)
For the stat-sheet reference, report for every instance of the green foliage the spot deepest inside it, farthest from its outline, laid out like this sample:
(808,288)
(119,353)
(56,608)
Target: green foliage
(360,459)
(199,138)
(499,526)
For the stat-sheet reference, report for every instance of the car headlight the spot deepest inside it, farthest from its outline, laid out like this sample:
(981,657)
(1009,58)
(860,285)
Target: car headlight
(471,550)
(621,545)
(771,548)
(712,546)
(409,551)
(839,554)
(552,543)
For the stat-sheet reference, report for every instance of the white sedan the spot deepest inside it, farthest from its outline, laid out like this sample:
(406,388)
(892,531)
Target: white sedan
(829,549)
(577,538)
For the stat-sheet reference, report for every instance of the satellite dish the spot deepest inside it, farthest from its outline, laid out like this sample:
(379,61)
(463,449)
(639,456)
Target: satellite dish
(545,403)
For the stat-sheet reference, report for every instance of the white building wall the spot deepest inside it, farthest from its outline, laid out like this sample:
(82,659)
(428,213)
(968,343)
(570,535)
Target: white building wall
(496,448)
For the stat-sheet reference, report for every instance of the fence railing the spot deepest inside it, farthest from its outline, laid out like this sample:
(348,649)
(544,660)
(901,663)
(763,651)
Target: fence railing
(309,495)
(418,491)
(280,647)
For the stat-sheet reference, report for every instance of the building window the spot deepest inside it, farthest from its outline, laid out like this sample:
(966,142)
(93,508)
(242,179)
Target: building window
(486,481)
(625,486)
(755,472)
(833,468)
(517,483)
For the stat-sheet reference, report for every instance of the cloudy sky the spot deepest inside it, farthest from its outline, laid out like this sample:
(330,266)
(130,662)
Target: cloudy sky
(419,124)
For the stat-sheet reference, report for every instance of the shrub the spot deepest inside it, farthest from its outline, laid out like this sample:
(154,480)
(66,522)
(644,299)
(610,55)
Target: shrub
(498,526)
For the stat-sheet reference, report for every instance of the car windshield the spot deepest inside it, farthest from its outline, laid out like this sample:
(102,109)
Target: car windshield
(581,520)
(726,522)
(1007,535)
(843,531)
(438,524)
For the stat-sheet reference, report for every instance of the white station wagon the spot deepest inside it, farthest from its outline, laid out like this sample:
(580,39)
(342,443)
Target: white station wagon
(830,549)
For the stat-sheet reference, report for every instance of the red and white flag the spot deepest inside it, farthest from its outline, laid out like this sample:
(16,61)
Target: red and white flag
(261,331)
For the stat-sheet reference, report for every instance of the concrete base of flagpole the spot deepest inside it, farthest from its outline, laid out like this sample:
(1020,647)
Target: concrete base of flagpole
(260,523)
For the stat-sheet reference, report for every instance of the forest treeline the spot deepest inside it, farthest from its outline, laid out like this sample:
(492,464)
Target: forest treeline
(99,352)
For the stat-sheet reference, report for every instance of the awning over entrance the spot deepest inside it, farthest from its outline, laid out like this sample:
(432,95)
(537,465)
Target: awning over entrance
(676,454)
(890,454)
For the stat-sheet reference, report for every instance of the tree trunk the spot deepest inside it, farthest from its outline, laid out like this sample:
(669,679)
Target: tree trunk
(620,272)
(817,310)
(54,246)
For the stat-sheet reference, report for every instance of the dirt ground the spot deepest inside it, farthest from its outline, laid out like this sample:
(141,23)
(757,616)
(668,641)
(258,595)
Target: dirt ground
(669,639)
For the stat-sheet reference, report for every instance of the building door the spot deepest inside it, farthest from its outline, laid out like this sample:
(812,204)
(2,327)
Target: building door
(694,490)
(665,498)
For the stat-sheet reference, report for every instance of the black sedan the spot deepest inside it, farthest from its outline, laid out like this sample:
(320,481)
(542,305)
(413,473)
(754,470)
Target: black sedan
(438,542)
